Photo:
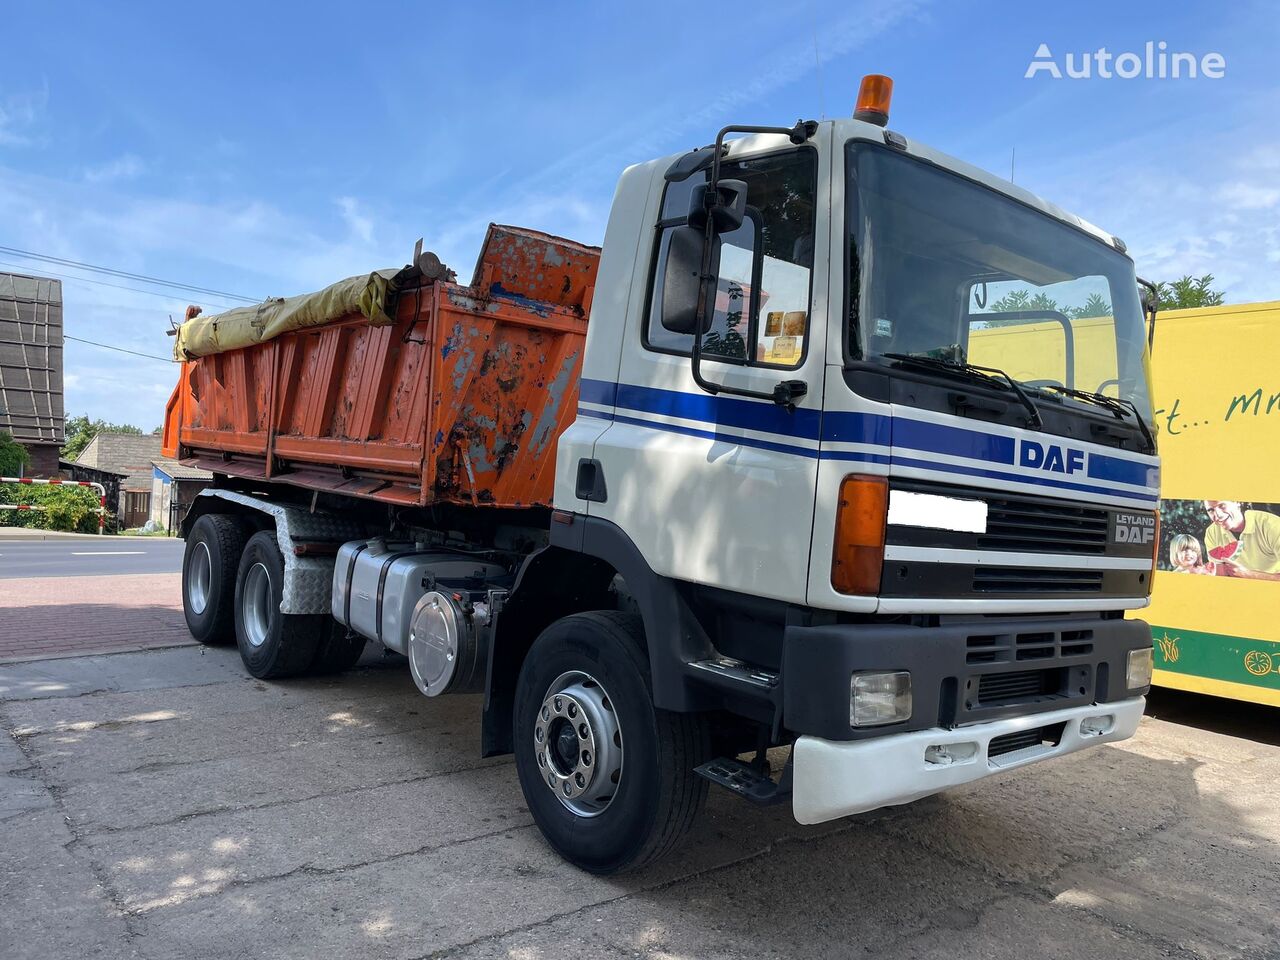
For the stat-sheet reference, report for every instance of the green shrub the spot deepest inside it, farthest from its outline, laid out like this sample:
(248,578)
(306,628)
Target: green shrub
(70,509)
(13,456)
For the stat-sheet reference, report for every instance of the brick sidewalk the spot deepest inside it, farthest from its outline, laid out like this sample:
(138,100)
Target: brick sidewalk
(48,617)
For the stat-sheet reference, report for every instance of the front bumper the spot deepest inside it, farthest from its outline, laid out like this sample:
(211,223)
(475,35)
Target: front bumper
(964,670)
(837,779)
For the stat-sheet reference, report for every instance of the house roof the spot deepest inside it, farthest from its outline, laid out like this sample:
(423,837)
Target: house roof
(129,454)
(177,471)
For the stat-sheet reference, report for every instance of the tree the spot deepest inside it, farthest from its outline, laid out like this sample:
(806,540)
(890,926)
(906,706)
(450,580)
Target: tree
(1020,301)
(81,431)
(1190,292)
(1094,306)
(13,455)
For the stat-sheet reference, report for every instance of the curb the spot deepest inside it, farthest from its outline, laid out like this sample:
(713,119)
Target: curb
(28,535)
(94,652)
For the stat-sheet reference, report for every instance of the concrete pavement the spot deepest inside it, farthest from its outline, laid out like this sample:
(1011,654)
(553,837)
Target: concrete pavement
(89,556)
(162,804)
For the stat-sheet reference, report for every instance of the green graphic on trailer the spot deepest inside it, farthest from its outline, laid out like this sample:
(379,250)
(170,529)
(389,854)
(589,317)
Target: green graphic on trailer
(1235,659)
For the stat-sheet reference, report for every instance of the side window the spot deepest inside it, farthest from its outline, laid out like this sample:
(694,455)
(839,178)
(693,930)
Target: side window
(730,325)
(762,297)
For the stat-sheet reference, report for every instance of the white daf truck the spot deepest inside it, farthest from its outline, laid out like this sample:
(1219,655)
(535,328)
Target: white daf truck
(812,495)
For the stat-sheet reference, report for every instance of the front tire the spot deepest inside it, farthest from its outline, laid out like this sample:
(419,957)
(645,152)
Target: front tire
(272,644)
(608,778)
(209,563)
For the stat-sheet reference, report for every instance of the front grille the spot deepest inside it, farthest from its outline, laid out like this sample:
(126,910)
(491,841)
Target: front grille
(1036,645)
(1039,580)
(1002,688)
(1039,526)
(1049,736)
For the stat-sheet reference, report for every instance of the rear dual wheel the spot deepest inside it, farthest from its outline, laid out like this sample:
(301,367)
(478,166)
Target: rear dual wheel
(209,564)
(232,586)
(274,644)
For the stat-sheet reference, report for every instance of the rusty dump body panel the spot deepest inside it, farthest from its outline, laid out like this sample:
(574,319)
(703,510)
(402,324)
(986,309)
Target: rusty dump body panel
(460,400)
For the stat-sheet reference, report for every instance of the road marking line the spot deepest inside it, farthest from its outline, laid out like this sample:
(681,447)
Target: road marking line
(106,553)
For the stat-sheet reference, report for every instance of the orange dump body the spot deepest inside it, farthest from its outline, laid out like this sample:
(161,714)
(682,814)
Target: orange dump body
(460,400)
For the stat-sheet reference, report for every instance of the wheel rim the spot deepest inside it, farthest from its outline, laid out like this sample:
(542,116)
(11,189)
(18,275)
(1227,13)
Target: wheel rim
(255,607)
(577,741)
(199,577)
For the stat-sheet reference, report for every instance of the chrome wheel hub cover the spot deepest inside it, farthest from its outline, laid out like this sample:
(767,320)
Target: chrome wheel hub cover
(578,744)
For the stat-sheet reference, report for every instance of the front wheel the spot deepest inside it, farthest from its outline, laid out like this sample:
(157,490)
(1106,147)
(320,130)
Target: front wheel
(608,778)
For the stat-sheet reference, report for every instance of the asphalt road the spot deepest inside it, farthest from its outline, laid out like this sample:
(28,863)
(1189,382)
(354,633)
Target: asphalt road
(164,805)
(84,557)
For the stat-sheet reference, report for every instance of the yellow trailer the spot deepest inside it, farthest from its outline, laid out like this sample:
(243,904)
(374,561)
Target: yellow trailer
(1215,608)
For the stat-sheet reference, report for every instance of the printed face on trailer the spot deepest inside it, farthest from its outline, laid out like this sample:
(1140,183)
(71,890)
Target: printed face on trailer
(1228,514)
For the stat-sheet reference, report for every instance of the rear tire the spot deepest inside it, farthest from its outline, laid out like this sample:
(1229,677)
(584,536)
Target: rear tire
(338,650)
(209,563)
(272,644)
(594,667)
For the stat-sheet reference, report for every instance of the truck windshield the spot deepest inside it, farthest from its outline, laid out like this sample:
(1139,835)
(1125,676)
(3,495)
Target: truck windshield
(942,267)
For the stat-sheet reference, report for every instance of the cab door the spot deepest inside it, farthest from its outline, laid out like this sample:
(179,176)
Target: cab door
(719,489)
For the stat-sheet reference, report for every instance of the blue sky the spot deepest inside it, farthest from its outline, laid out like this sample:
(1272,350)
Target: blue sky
(269,149)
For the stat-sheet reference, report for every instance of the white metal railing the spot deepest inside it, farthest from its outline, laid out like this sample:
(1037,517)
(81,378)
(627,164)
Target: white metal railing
(102,496)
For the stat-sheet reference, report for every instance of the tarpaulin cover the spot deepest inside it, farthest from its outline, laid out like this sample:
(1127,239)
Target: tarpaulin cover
(244,326)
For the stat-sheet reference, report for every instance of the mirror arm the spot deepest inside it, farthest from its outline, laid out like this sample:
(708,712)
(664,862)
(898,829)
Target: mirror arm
(787,392)
(1150,308)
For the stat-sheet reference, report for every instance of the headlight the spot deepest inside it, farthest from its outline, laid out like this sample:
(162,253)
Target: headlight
(879,698)
(1138,670)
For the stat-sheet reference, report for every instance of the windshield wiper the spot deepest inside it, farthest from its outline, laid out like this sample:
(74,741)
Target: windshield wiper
(975,372)
(1117,405)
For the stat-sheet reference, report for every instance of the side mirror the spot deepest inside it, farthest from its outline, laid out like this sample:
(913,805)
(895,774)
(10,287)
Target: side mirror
(680,280)
(727,208)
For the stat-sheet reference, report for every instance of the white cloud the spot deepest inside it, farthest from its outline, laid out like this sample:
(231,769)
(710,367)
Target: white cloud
(1194,210)
(19,113)
(777,63)
(360,225)
(125,167)
(1249,196)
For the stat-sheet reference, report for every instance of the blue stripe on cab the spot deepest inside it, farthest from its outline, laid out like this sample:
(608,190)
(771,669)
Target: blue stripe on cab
(720,411)
(715,435)
(843,427)
(894,435)
(1116,470)
(952,441)
(842,455)
(598,391)
(1020,478)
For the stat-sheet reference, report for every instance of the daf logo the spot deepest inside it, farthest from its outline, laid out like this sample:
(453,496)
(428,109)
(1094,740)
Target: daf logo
(1134,528)
(1050,456)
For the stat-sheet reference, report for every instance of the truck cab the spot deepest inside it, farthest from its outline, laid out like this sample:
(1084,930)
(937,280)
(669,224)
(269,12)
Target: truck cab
(922,558)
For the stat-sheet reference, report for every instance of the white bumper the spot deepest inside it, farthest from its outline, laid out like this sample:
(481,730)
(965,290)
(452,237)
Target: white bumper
(835,779)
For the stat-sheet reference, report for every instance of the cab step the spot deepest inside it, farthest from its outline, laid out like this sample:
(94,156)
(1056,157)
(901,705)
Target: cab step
(747,781)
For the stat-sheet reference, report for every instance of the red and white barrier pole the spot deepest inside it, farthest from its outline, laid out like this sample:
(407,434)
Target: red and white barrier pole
(102,496)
